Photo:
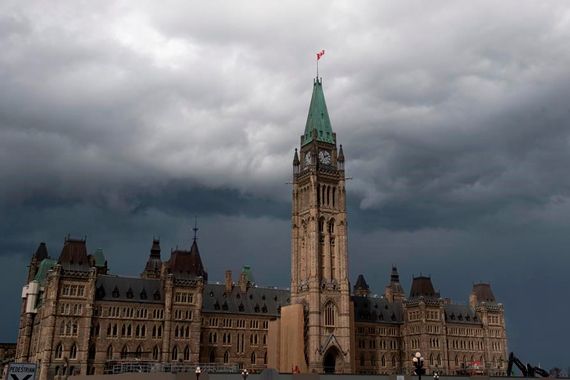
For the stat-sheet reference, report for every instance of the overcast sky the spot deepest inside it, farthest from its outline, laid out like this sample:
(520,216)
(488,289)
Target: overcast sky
(123,120)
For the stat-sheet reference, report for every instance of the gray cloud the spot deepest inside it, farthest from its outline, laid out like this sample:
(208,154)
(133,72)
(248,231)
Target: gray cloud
(124,120)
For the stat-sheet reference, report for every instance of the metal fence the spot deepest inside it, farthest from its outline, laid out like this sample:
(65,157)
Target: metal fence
(145,367)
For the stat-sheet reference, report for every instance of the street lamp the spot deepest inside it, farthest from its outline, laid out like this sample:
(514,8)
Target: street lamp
(418,361)
(244,373)
(198,372)
(435,375)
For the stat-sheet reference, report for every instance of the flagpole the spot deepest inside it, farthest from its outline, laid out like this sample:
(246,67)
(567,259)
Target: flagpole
(317,69)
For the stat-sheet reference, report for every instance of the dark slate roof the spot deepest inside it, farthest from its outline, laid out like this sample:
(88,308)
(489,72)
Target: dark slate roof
(361,283)
(74,255)
(379,310)
(187,264)
(422,287)
(41,252)
(256,301)
(131,289)
(483,292)
(460,314)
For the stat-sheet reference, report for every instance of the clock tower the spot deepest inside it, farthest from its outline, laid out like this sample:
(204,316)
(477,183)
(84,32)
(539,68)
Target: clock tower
(319,261)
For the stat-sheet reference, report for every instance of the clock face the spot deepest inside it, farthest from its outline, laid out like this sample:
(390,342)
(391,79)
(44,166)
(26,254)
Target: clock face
(308,158)
(325,157)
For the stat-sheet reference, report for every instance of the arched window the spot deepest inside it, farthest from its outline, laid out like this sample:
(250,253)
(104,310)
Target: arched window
(174,353)
(362,359)
(139,351)
(187,353)
(110,352)
(73,351)
(213,356)
(226,357)
(393,360)
(331,226)
(383,361)
(155,353)
(330,313)
(59,351)
(253,357)
(124,352)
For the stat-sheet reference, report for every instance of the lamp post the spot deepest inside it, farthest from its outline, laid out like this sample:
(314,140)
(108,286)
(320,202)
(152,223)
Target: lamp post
(198,372)
(435,375)
(418,361)
(244,373)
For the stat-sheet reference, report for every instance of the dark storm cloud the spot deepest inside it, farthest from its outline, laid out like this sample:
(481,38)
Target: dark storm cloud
(123,121)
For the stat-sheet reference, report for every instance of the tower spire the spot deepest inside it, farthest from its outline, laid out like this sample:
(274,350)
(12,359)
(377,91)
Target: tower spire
(195,229)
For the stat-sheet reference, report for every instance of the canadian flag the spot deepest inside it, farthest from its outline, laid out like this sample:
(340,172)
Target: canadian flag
(320,54)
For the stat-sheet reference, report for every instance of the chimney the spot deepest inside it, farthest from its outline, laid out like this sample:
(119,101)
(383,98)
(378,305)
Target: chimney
(229,282)
(243,282)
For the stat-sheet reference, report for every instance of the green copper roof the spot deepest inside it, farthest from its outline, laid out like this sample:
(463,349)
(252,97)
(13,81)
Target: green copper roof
(43,269)
(248,275)
(99,258)
(318,117)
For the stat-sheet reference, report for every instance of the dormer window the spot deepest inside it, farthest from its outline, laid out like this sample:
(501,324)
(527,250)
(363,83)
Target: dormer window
(115,292)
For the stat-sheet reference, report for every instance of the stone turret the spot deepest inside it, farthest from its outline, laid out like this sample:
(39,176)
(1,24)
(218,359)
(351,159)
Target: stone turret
(154,263)
(481,292)
(40,254)
(361,288)
(394,291)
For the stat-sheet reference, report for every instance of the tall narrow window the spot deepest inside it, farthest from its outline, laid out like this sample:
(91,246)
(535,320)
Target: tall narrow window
(73,351)
(155,353)
(186,353)
(330,311)
(110,352)
(174,353)
(124,352)
(59,351)
(253,358)
(226,357)
(333,197)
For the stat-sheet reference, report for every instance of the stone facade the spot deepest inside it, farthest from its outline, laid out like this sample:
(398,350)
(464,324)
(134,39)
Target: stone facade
(76,317)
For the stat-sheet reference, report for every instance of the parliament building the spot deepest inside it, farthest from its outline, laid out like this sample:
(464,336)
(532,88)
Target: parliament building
(77,317)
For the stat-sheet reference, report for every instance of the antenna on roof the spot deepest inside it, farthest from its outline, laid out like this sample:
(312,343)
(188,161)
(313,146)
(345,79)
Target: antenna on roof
(195,229)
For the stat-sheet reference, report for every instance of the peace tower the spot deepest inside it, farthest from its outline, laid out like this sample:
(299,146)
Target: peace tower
(319,262)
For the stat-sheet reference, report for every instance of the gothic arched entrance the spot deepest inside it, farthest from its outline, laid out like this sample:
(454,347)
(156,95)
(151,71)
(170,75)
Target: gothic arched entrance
(330,360)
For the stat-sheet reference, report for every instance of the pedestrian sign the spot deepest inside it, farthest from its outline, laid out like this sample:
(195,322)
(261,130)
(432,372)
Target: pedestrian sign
(21,371)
